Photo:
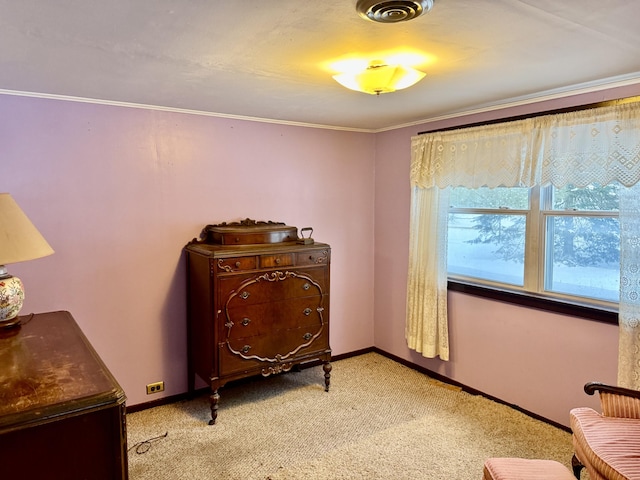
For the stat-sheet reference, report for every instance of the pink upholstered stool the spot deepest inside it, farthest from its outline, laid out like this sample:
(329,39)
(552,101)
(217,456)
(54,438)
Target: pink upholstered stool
(522,469)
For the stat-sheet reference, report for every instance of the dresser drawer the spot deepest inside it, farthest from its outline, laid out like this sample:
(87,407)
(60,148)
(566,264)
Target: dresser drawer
(266,318)
(238,355)
(313,257)
(276,261)
(268,287)
(235,264)
(283,345)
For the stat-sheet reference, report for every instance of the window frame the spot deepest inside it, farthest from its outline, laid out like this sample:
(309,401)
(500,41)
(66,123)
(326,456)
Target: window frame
(532,293)
(527,299)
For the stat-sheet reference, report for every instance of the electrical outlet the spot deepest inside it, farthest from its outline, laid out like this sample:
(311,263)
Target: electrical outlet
(155,387)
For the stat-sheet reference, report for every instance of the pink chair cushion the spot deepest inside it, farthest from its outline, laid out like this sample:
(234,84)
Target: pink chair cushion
(523,469)
(609,447)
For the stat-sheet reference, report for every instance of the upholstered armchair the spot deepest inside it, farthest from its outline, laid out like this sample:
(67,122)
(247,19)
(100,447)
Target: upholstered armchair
(607,444)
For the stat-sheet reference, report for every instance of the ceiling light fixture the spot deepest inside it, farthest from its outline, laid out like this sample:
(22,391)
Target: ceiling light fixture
(392,11)
(379,77)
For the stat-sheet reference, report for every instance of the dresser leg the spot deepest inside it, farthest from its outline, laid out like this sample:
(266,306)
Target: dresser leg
(214,398)
(327,375)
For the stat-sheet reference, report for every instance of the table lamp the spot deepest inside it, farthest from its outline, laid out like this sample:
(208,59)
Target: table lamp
(19,241)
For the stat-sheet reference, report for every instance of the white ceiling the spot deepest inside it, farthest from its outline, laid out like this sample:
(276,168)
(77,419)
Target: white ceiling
(269,58)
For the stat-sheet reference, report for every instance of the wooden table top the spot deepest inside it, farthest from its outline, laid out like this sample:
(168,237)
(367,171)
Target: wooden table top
(48,368)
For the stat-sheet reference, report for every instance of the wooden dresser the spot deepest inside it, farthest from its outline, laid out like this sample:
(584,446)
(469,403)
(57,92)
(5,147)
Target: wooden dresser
(62,414)
(258,303)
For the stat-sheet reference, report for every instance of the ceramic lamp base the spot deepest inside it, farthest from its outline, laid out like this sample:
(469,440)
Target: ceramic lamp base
(11,300)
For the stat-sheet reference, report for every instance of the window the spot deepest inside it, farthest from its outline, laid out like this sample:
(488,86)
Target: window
(533,267)
(562,243)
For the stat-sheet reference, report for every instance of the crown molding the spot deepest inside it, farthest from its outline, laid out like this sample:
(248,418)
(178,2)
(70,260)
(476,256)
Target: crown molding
(555,94)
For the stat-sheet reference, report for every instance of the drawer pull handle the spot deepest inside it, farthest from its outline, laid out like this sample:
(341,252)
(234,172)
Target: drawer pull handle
(238,264)
(306,286)
(307,311)
(246,349)
(244,295)
(307,336)
(246,321)
(277,261)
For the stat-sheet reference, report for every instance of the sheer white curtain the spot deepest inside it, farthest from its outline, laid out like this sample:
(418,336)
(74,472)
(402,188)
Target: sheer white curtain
(629,310)
(427,292)
(595,145)
(440,160)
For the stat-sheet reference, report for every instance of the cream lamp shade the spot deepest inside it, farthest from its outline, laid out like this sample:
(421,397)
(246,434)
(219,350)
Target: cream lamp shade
(380,78)
(19,241)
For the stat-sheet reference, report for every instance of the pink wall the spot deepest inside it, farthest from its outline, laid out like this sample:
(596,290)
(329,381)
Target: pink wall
(533,359)
(119,191)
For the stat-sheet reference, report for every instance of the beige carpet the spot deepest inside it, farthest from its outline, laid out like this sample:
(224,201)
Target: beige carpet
(380,420)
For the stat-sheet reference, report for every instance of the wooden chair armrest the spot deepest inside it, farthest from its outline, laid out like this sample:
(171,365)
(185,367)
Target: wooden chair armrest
(593,387)
(616,401)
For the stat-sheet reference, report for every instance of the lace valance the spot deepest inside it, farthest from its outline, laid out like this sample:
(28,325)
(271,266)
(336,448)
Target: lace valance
(593,145)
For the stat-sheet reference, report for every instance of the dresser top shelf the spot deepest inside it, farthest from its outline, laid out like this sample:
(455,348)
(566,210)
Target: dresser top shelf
(248,232)
(250,237)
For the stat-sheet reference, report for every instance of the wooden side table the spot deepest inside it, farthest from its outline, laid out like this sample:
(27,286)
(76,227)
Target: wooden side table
(62,413)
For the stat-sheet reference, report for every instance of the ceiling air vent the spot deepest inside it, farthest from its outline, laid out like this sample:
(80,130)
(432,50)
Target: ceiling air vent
(392,11)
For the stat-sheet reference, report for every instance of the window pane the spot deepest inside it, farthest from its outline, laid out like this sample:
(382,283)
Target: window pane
(490,247)
(592,197)
(583,256)
(501,197)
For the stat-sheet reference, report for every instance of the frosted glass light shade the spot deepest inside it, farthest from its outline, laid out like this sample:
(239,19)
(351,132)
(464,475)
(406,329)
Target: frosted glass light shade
(380,78)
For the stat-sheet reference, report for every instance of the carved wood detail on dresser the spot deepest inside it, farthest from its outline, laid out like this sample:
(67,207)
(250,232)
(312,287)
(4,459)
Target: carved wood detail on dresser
(257,303)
